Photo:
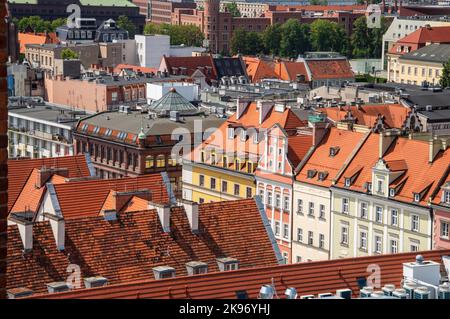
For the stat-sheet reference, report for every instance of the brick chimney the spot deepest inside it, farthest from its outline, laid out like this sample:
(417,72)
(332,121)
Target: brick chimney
(58,226)
(45,173)
(3,150)
(191,209)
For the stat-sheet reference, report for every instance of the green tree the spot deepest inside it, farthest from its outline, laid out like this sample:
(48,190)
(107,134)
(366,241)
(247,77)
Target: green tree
(367,42)
(294,38)
(328,36)
(271,39)
(179,34)
(238,41)
(125,23)
(445,76)
(38,25)
(151,28)
(68,54)
(233,9)
(254,43)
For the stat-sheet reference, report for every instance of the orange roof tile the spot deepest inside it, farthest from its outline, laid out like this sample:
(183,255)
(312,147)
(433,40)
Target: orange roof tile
(311,278)
(411,155)
(330,69)
(321,161)
(39,38)
(298,146)
(421,37)
(289,71)
(127,249)
(87,198)
(191,63)
(258,69)
(19,171)
(394,114)
(135,68)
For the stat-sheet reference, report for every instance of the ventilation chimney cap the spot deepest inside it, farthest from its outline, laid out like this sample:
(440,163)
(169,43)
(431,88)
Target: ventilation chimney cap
(419,259)
(21,292)
(57,286)
(163,272)
(93,282)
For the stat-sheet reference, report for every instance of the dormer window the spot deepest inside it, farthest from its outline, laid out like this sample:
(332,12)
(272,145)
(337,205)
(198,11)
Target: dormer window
(368,187)
(196,268)
(227,263)
(392,192)
(447,197)
(243,135)
(311,173)
(230,133)
(380,186)
(416,197)
(163,272)
(348,182)
(323,176)
(334,151)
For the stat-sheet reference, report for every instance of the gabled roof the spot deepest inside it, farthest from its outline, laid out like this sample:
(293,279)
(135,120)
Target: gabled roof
(127,249)
(413,155)
(436,53)
(298,147)
(290,69)
(321,161)
(135,68)
(258,69)
(86,198)
(19,171)
(394,115)
(191,64)
(329,69)
(311,278)
(38,38)
(421,37)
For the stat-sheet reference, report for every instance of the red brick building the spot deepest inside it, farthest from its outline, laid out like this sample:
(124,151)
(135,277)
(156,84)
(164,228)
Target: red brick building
(218,27)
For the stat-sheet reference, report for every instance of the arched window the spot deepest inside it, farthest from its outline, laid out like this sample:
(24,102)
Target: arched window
(149,161)
(161,161)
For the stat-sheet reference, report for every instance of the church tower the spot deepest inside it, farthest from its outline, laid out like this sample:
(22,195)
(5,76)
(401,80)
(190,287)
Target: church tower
(211,23)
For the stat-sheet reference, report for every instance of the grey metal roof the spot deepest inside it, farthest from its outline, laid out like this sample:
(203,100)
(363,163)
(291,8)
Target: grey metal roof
(436,115)
(173,101)
(133,121)
(438,53)
(435,99)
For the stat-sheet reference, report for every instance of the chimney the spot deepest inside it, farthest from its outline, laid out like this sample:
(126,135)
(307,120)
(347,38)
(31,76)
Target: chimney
(58,226)
(385,140)
(25,228)
(264,107)
(191,209)
(434,148)
(163,214)
(45,173)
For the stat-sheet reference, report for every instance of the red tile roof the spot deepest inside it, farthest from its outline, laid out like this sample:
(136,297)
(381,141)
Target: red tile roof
(394,114)
(309,278)
(321,161)
(412,155)
(38,38)
(289,71)
(330,69)
(298,146)
(191,63)
(87,198)
(421,37)
(259,69)
(19,171)
(135,68)
(127,249)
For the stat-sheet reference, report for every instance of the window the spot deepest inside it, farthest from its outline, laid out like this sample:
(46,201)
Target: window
(447,197)
(363,240)
(224,186)
(394,217)
(149,161)
(269,198)
(322,211)
(445,229)
(380,188)
(344,235)
(212,183)
(277,201)
(299,259)
(378,214)
(311,209)
(230,133)
(202,156)
(225,161)
(310,238)
(321,241)
(417,197)
(414,222)
(237,190)
(201,180)
(286,203)
(201,200)
(249,192)
(394,246)
(363,210)
(286,231)
(299,206)
(300,234)
(414,247)
(277,228)
(348,182)
(345,205)
(378,244)
(161,161)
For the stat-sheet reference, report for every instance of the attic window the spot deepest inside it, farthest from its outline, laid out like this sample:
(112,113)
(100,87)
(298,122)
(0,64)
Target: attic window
(348,182)
(416,197)
(96,129)
(368,187)
(334,151)
(392,192)
(446,197)
(311,173)
(196,268)
(323,176)
(227,263)
(59,286)
(163,272)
